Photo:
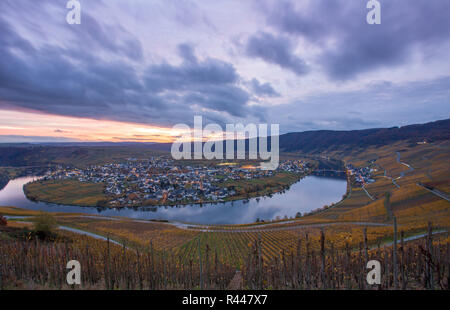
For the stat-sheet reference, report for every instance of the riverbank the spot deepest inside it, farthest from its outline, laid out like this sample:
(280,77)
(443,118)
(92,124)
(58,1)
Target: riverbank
(310,193)
(84,194)
(8,174)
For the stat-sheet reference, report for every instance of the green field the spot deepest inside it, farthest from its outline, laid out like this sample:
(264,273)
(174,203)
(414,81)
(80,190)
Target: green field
(68,192)
(262,186)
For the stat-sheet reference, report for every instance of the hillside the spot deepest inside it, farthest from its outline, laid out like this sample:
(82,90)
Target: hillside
(77,155)
(321,140)
(302,142)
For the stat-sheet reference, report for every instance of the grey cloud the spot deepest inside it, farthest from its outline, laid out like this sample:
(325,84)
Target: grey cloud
(61,131)
(276,50)
(380,104)
(263,89)
(33,139)
(406,27)
(97,70)
(312,22)
(208,83)
(187,53)
(189,14)
(94,34)
(76,82)
(40,16)
(211,71)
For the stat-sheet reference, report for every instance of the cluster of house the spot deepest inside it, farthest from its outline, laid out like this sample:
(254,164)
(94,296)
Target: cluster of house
(295,166)
(159,180)
(362,175)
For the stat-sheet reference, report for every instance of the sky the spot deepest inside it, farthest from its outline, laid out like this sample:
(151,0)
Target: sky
(133,69)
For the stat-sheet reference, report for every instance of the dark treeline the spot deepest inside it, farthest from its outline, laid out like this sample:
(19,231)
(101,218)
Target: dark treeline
(4,179)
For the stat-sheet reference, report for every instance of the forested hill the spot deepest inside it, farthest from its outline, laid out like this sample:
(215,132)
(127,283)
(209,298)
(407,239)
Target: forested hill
(319,140)
(82,154)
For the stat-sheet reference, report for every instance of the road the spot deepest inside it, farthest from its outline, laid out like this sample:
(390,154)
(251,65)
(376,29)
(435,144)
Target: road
(266,227)
(74,230)
(368,195)
(402,174)
(86,233)
(436,192)
(411,238)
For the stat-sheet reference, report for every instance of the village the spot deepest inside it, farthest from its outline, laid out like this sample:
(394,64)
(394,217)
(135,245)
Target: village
(362,175)
(162,181)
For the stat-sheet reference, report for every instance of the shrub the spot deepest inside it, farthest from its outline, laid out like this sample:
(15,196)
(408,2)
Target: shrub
(44,224)
(3,221)
(102,203)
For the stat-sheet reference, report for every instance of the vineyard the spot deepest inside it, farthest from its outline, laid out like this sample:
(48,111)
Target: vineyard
(327,249)
(304,263)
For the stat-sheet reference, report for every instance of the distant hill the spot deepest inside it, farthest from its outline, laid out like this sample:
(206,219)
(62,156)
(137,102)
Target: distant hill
(328,140)
(23,154)
(320,140)
(37,155)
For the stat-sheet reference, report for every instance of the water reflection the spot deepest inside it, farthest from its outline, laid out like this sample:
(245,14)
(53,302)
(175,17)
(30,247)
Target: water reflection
(310,193)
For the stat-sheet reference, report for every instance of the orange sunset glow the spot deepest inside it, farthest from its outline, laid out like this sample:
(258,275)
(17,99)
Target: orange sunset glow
(83,129)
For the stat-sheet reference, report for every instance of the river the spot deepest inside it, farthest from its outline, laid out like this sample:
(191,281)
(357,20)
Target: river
(308,194)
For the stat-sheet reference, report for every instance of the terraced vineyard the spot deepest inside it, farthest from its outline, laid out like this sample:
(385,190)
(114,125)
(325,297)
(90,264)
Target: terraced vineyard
(291,253)
(315,262)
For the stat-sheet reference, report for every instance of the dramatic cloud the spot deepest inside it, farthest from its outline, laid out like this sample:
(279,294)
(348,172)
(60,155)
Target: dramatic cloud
(64,81)
(276,50)
(379,104)
(211,84)
(350,46)
(309,64)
